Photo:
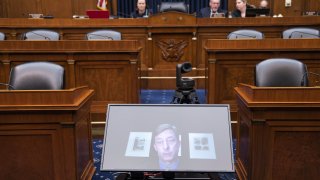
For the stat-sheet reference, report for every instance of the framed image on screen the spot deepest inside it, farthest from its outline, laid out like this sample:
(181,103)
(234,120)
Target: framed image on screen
(175,137)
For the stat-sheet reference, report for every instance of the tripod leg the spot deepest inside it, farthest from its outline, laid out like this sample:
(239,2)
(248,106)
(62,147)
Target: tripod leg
(193,98)
(177,98)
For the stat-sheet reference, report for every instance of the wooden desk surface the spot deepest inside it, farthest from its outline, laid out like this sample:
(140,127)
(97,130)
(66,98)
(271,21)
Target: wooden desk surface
(262,45)
(279,96)
(69,46)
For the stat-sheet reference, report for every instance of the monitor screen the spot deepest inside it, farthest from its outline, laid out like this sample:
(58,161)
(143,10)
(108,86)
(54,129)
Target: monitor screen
(178,138)
(173,137)
(252,12)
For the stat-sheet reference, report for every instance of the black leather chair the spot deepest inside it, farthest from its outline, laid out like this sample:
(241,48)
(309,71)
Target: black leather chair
(173,6)
(245,34)
(36,76)
(301,32)
(41,34)
(104,35)
(2,36)
(281,72)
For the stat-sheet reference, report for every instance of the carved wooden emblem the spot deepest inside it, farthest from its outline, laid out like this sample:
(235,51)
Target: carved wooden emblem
(172,51)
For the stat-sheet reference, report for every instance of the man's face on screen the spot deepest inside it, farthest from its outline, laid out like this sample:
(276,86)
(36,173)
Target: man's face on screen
(167,145)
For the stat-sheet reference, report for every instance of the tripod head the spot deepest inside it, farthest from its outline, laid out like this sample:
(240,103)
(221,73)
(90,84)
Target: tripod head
(185,92)
(184,83)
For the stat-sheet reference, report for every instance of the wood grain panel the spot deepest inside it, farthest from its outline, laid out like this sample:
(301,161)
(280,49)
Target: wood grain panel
(80,6)
(58,8)
(22,9)
(301,143)
(26,158)
(277,139)
(46,134)
(104,77)
(312,5)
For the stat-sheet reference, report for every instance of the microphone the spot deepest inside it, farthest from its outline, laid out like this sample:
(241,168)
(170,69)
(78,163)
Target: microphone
(243,35)
(45,37)
(99,35)
(8,85)
(146,14)
(302,33)
(306,74)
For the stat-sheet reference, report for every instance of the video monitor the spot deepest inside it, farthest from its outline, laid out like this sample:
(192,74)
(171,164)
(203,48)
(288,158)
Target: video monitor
(172,137)
(252,12)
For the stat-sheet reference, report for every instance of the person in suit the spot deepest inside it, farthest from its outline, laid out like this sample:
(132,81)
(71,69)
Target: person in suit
(167,145)
(214,7)
(141,10)
(241,6)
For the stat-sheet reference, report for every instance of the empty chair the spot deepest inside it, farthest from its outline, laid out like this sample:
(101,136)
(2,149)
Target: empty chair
(173,6)
(41,34)
(246,34)
(281,72)
(2,36)
(104,35)
(36,76)
(302,32)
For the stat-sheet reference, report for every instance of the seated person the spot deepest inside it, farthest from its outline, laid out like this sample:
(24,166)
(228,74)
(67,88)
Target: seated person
(142,10)
(241,6)
(214,7)
(263,4)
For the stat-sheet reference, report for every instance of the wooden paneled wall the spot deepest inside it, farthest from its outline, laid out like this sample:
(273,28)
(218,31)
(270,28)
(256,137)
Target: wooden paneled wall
(56,8)
(67,8)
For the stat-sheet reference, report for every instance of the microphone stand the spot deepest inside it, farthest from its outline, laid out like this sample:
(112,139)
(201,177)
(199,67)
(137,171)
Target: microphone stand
(244,35)
(45,37)
(302,33)
(8,85)
(98,35)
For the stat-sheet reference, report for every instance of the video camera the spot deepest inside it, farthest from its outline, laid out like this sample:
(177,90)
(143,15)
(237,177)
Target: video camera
(184,83)
(185,92)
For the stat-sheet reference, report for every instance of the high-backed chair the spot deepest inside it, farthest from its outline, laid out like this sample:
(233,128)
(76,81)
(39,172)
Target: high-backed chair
(104,35)
(173,6)
(41,34)
(245,34)
(36,76)
(2,36)
(281,72)
(300,32)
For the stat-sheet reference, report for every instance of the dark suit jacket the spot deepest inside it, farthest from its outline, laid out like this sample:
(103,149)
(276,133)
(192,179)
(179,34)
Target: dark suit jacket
(237,13)
(135,14)
(205,12)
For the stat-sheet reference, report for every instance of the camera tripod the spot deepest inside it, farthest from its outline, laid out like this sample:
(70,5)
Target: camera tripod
(188,96)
